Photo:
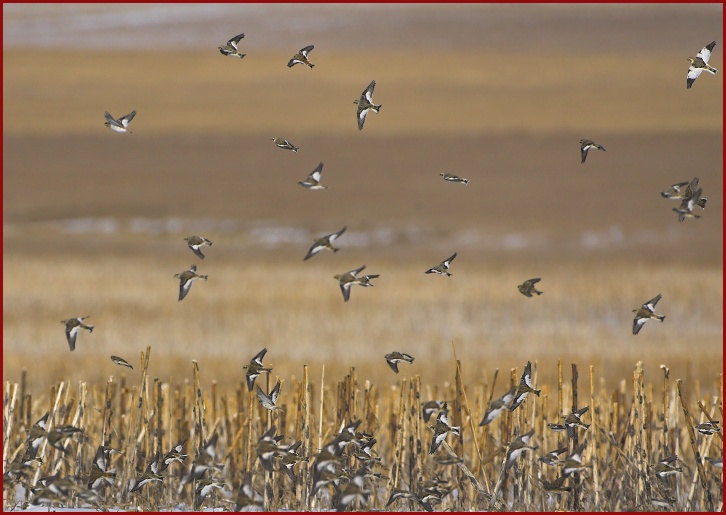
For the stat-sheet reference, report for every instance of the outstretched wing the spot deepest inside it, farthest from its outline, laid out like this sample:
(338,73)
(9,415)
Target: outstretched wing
(315,174)
(705,53)
(184,287)
(233,42)
(126,120)
(368,93)
(362,114)
(652,302)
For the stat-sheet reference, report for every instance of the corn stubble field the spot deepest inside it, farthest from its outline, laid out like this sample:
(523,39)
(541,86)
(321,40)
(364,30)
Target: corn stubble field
(94,223)
(374,445)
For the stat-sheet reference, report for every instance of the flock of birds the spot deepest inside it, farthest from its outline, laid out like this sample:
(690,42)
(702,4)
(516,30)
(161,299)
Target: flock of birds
(328,464)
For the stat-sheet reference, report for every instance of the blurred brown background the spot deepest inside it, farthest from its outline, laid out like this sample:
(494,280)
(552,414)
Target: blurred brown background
(94,221)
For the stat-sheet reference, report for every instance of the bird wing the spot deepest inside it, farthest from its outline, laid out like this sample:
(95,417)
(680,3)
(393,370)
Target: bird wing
(233,42)
(126,120)
(650,305)
(315,174)
(436,442)
(345,288)
(368,93)
(354,273)
(692,186)
(448,261)
(392,364)
(638,323)
(705,53)
(264,398)
(275,392)
(583,153)
(71,336)
(304,51)
(527,375)
(362,113)
(195,249)
(334,236)
(259,356)
(184,287)
(313,250)
(691,201)
(693,74)
(112,120)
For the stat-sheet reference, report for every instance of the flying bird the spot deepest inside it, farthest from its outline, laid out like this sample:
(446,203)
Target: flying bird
(645,313)
(573,463)
(666,467)
(152,473)
(230,49)
(284,144)
(453,178)
(699,64)
(186,278)
(99,469)
(709,428)
(313,179)
(121,361)
(527,288)
(195,242)
(441,429)
(523,388)
(394,358)
(497,406)
(347,279)
(255,368)
(517,447)
(443,267)
(72,327)
(269,401)
(324,242)
(365,104)
(674,192)
(573,421)
(586,145)
(120,125)
(301,57)
(685,210)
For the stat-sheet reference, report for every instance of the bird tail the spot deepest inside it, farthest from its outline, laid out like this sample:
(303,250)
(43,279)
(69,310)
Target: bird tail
(90,328)
(203,277)
(711,70)
(702,202)
(312,66)
(376,108)
(465,181)
(295,149)
(661,318)
(538,292)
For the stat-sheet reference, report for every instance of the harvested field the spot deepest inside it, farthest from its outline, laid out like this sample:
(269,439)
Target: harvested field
(94,224)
